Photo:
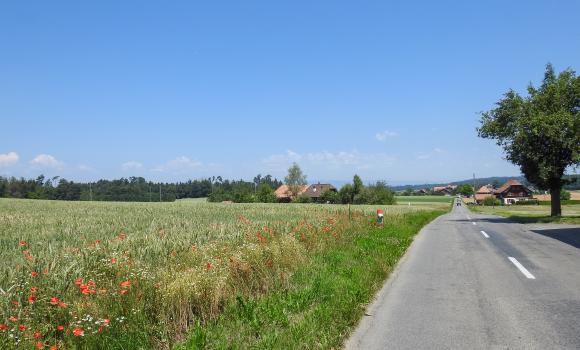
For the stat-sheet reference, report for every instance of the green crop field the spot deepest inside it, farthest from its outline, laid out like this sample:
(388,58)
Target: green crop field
(424,199)
(161,275)
(533,213)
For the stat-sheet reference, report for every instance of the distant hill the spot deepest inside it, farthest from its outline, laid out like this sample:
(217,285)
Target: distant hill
(484,181)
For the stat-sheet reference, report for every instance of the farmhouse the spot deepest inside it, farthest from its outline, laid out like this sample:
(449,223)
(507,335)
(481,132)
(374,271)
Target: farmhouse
(512,191)
(445,190)
(314,192)
(283,193)
(484,192)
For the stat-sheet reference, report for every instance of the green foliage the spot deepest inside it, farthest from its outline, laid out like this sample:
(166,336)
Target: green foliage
(265,194)
(491,201)
(540,132)
(465,190)
(331,197)
(295,179)
(303,199)
(357,185)
(528,202)
(565,195)
(346,194)
(378,193)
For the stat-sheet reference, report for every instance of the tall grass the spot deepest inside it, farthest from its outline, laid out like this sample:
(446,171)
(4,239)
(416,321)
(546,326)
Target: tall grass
(140,275)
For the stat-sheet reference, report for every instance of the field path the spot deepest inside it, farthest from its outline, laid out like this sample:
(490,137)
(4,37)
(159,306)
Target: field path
(474,281)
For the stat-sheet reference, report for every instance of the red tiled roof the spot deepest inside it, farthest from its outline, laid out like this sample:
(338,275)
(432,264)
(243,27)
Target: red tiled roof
(282,191)
(507,185)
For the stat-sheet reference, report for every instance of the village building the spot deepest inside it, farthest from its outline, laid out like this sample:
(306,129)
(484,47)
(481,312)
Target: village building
(512,192)
(284,195)
(484,192)
(444,190)
(314,192)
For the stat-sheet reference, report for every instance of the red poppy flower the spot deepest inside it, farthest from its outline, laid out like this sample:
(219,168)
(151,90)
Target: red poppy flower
(31,299)
(12,318)
(22,327)
(22,243)
(100,330)
(126,284)
(60,328)
(54,301)
(54,347)
(33,290)
(34,273)
(78,332)
(106,322)
(123,292)
(3,327)
(15,303)
(36,335)
(39,345)
(79,281)
(208,266)
(113,260)
(86,291)
(62,305)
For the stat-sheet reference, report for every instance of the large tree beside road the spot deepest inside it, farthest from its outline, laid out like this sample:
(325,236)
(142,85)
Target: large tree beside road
(540,132)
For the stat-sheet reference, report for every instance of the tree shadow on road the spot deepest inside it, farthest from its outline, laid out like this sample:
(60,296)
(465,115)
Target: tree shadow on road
(569,236)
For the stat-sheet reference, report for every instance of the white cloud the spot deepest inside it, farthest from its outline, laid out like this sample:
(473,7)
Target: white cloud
(179,165)
(320,161)
(46,161)
(131,166)
(8,159)
(383,136)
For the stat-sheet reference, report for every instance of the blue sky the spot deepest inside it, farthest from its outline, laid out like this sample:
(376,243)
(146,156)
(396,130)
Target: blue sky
(171,91)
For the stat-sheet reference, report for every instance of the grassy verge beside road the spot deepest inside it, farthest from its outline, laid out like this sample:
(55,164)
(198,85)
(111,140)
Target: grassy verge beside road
(532,213)
(326,296)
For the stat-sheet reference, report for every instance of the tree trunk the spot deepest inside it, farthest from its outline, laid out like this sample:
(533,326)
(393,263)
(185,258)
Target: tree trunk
(555,201)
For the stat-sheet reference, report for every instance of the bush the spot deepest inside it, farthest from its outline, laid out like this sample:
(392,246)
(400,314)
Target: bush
(303,199)
(331,197)
(528,202)
(491,201)
(378,193)
(565,195)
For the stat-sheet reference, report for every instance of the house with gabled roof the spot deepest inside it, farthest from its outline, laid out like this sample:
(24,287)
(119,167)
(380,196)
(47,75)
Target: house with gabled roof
(484,192)
(284,195)
(314,192)
(513,191)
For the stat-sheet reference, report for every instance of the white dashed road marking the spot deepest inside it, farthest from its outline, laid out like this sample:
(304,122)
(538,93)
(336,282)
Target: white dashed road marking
(522,268)
(484,234)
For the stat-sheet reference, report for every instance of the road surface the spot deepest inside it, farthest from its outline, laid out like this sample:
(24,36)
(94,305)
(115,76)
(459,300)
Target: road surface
(474,281)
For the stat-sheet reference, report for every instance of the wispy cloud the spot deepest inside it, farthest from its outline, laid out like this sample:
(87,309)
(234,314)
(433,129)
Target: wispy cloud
(46,161)
(324,160)
(8,159)
(384,135)
(428,155)
(131,166)
(178,165)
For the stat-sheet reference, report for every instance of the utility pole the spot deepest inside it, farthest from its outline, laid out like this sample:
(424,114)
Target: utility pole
(474,186)
(159,192)
(90,192)
(149,191)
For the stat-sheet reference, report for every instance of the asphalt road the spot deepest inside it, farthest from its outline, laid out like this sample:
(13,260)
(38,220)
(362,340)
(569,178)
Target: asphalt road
(460,288)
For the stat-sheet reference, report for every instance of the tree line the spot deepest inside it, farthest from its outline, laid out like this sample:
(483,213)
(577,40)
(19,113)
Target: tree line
(131,189)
